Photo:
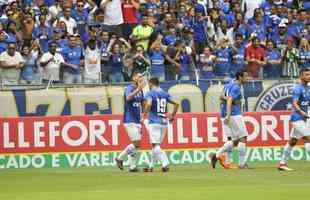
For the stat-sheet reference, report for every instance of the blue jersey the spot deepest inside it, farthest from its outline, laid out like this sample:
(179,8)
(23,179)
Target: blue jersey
(73,56)
(301,94)
(159,98)
(132,109)
(233,90)
(223,64)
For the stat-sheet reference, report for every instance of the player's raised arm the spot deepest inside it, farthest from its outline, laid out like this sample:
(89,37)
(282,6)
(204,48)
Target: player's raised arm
(136,78)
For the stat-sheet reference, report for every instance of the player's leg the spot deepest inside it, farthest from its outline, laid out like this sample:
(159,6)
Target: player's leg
(240,132)
(307,147)
(156,137)
(286,154)
(227,147)
(298,130)
(242,149)
(134,133)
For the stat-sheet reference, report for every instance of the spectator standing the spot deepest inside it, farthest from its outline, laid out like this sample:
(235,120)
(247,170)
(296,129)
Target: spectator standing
(141,34)
(272,70)
(206,64)
(92,63)
(43,33)
(30,73)
(290,60)
(113,15)
(223,58)
(238,54)
(304,54)
(129,10)
(141,61)
(157,58)
(256,58)
(11,61)
(74,59)
(116,63)
(70,22)
(51,62)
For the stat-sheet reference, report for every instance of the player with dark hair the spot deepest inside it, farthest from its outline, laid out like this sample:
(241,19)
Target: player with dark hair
(132,121)
(234,128)
(299,116)
(156,101)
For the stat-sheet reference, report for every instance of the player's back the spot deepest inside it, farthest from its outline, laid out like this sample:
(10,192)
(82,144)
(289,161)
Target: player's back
(158,110)
(301,94)
(132,110)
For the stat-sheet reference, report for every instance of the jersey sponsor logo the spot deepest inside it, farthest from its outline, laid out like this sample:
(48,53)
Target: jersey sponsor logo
(277,97)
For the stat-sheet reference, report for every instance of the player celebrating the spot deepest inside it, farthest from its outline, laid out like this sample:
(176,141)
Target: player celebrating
(232,122)
(156,108)
(299,116)
(132,112)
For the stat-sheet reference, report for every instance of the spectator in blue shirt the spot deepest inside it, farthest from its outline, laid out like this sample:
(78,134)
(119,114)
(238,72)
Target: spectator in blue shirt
(116,64)
(157,58)
(304,54)
(3,42)
(272,69)
(238,54)
(185,71)
(198,24)
(43,33)
(73,55)
(258,26)
(223,58)
(29,73)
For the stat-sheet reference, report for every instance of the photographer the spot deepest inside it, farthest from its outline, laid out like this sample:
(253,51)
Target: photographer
(141,60)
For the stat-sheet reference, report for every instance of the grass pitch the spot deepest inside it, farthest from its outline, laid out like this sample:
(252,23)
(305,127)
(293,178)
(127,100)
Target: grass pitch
(193,182)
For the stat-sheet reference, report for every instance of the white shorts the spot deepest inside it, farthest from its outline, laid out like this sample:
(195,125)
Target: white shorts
(300,129)
(134,131)
(236,129)
(157,133)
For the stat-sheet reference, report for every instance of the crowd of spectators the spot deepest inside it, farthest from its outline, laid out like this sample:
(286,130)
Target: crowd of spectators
(91,41)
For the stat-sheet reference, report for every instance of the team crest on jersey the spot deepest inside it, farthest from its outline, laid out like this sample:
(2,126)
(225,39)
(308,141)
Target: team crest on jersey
(277,97)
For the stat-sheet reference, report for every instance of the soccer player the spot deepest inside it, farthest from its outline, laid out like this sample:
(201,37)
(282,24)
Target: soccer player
(156,101)
(234,128)
(132,121)
(299,116)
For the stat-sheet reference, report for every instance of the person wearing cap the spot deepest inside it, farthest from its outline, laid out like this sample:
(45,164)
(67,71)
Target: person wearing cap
(11,61)
(51,63)
(256,58)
